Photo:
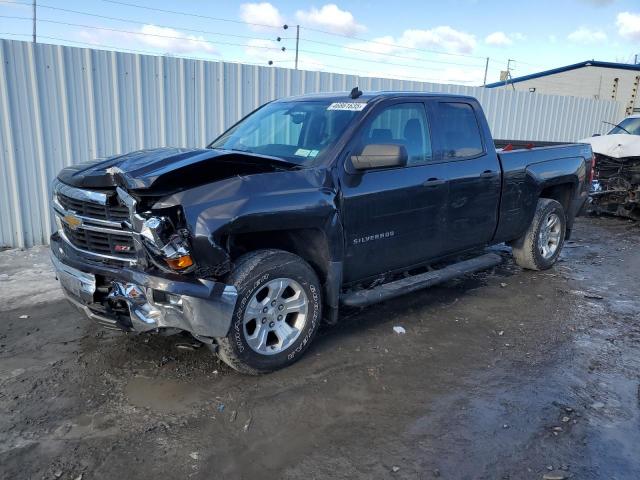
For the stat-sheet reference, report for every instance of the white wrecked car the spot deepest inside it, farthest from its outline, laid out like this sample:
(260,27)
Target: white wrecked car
(616,185)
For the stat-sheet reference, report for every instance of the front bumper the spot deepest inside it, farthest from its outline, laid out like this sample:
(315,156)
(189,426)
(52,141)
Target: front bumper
(143,302)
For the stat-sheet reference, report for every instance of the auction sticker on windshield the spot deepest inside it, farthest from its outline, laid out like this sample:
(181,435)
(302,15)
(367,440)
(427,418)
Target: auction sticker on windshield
(349,106)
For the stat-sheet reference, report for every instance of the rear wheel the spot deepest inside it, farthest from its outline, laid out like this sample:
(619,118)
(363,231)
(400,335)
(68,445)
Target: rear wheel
(277,313)
(540,246)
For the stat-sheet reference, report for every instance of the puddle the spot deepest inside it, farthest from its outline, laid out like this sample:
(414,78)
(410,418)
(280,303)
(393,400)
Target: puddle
(163,395)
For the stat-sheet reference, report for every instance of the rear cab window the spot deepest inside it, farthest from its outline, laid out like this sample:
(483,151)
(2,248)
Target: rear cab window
(460,131)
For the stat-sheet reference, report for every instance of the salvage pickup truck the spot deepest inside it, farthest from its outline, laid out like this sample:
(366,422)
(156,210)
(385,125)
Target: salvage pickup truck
(305,205)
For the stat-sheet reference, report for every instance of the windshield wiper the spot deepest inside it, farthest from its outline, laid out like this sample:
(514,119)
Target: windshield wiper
(617,125)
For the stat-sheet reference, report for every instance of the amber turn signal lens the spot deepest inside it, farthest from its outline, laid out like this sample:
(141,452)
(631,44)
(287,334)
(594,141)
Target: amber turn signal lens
(179,263)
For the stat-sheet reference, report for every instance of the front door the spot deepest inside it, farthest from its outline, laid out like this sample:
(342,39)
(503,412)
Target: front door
(393,217)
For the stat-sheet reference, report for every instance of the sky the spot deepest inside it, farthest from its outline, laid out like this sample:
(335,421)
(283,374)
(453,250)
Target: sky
(435,41)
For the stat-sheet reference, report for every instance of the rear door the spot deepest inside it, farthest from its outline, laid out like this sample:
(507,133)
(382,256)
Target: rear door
(472,172)
(392,217)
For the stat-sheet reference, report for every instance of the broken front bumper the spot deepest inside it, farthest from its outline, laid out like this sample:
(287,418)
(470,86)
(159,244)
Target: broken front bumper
(131,300)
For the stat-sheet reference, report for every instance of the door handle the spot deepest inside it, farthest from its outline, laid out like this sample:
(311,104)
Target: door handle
(487,174)
(434,182)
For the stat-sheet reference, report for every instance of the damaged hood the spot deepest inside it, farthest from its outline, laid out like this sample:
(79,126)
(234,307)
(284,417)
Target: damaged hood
(615,146)
(168,169)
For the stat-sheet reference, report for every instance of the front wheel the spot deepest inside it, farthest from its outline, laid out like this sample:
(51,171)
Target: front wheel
(540,246)
(277,312)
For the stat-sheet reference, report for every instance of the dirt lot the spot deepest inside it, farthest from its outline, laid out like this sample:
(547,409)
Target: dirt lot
(505,374)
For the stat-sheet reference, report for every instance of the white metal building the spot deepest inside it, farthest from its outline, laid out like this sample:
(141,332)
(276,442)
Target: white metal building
(64,105)
(592,79)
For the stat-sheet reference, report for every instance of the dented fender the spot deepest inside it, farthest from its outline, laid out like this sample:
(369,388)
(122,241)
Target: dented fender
(273,201)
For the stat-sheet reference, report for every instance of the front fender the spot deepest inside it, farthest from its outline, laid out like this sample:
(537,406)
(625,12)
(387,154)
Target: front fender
(282,200)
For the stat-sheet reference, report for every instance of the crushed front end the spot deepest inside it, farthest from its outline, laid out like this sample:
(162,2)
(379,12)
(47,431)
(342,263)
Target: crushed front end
(130,268)
(616,187)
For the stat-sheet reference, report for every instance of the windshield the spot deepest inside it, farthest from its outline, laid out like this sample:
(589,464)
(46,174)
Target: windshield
(297,132)
(629,125)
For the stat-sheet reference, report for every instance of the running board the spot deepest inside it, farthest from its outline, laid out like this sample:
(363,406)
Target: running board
(361,298)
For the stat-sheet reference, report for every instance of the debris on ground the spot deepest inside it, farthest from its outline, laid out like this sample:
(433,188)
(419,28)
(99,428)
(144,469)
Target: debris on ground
(593,296)
(399,330)
(555,475)
(23,316)
(247,424)
(72,400)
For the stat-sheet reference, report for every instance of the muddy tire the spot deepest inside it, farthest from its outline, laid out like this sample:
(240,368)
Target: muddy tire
(277,312)
(540,246)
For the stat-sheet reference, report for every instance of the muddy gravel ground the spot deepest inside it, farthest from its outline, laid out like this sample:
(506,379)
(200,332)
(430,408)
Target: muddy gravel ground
(503,374)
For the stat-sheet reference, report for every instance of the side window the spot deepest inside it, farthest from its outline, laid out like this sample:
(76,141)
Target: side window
(402,124)
(460,130)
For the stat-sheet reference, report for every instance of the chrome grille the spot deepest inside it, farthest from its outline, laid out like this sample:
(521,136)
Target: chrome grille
(94,222)
(111,244)
(117,213)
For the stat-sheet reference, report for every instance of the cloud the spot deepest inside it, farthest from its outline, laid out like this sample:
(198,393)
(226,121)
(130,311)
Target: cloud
(499,39)
(452,75)
(629,25)
(12,4)
(330,17)
(261,14)
(585,35)
(168,40)
(442,38)
(598,3)
(158,37)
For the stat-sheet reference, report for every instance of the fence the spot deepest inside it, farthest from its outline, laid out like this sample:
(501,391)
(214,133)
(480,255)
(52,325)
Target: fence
(63,105)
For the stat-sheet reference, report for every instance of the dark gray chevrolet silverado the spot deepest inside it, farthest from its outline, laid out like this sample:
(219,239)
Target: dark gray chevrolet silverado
(307,204)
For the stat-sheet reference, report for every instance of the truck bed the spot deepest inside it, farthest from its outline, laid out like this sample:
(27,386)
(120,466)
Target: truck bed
(524,170)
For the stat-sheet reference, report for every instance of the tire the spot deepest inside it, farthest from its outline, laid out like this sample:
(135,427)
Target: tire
(271,284)
(529,250)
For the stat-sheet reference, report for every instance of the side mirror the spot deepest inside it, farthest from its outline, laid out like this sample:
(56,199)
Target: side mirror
(380,156)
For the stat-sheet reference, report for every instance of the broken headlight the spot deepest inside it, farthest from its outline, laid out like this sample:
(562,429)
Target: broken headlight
(165,241)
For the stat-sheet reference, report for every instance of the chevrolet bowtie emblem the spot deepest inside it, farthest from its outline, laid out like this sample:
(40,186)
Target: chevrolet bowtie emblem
(72,221)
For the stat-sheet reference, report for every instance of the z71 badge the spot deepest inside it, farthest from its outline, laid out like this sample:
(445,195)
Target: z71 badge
(369,238)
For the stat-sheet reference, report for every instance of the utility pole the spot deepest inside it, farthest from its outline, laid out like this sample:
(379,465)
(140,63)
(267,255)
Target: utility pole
(297,43)
(486,69)
(508,76)
(34,21)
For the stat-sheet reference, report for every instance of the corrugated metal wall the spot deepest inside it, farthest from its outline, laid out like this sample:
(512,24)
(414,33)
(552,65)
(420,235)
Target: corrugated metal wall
(64,105)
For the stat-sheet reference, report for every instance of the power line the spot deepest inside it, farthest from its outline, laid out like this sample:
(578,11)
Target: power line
(388,54)
(175,12)
(220,19)
(131,50)
(196,15)
(203,40)
(136,22)
(340,69)
(312,52)
(208,32)
(142,33)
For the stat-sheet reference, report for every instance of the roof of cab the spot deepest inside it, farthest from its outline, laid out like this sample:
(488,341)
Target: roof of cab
(366,96)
